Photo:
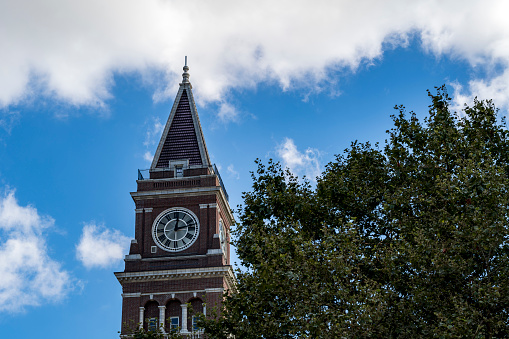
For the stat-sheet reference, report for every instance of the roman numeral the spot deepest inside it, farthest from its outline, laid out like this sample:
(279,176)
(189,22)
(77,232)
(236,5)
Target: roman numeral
(189,236)
(175,244)
(161,237)
(167,243)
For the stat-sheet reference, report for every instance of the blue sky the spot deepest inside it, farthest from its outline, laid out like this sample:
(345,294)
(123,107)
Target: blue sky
(86,87)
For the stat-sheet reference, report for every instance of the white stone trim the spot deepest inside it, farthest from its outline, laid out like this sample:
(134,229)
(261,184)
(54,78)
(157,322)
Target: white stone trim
(148,209)
(214,251)
(142,315)
(138,210)
(162,316)
(175,191)
(131,295)
(184,318)
(204,205)
(173,293)
(132,257)
(189,273)
(180,257)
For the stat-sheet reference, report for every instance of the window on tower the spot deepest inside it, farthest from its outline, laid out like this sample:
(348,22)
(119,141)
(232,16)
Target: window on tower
(174,324)
(179,171)
(195,324)
(152,324)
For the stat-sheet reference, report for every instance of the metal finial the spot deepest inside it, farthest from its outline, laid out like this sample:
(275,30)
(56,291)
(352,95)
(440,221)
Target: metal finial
(185,75)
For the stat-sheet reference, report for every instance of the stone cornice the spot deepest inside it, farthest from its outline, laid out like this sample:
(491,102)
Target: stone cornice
(188,273)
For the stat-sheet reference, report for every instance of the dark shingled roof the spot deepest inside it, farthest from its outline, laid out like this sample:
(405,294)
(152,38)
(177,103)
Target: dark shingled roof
(181,141)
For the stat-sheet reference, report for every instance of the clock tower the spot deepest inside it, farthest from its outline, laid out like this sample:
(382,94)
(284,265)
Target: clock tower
(180,255)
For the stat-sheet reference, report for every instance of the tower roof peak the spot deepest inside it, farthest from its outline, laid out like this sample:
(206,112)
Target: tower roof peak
(182,139)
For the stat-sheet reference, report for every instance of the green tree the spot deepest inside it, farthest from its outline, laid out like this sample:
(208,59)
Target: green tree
(408,241)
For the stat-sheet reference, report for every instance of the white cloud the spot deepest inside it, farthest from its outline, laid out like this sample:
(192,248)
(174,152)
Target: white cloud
(28,276)
(496,88)
(231,170)
(306,163)
(70,50)
(152,137)
(227,112)
(148,156)
(8,119)
(101,247)
(153,133)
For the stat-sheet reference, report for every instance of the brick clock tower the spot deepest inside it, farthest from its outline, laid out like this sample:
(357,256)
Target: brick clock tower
(180,255)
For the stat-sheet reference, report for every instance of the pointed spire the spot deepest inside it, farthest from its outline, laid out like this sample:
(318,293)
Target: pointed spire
(182,138)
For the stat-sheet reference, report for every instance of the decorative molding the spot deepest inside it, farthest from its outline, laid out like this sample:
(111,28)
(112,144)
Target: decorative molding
(138,210)
(214,251)
(204,205)
(196,256)
(131,295)
(176,191)
(148,209)
(179,274)
(173,293)
(131,257)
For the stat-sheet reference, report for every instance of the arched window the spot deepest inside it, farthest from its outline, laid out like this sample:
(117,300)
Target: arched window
(173,316)
(151,321)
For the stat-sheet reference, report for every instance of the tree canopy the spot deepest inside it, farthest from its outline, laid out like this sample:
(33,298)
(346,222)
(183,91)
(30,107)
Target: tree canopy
(407,240)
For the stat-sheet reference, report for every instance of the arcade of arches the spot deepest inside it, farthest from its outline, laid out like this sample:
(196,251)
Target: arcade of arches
(169,316)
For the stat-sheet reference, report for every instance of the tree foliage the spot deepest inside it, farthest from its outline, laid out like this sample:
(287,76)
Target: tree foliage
(409,240)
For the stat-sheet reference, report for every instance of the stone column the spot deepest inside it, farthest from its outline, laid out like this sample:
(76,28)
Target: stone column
(184,318)
(142,314)
(162,317)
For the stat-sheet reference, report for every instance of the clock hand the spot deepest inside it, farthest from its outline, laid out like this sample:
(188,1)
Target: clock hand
(177,223)
(181,227)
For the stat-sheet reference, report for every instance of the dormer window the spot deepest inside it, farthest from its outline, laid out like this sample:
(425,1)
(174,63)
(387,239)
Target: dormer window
(179,171)
(178,166)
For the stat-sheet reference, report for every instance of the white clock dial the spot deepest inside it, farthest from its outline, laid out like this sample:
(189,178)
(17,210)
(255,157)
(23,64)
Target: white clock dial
(175,229)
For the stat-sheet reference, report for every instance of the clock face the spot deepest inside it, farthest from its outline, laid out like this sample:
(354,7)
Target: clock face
(175,229)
